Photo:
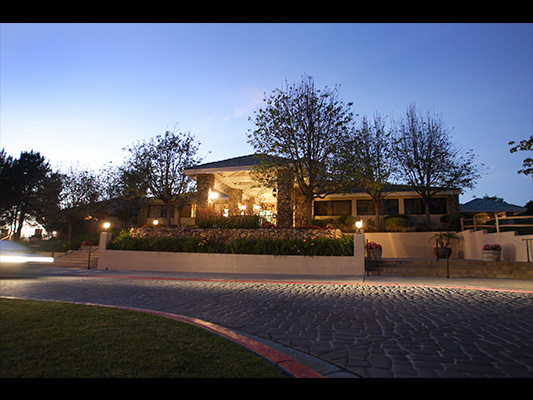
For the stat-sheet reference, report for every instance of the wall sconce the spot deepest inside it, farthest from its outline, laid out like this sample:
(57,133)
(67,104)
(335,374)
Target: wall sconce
(155,222)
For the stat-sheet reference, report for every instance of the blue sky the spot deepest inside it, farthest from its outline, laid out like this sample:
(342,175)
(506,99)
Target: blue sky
(82,92)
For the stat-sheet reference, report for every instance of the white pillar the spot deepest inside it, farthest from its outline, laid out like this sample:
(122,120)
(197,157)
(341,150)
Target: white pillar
(105,239)
(359,253)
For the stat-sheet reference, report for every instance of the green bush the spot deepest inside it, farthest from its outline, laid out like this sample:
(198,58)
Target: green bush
(306,247)
(396,222)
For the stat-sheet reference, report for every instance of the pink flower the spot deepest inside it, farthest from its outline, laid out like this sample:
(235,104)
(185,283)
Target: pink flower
(492,247)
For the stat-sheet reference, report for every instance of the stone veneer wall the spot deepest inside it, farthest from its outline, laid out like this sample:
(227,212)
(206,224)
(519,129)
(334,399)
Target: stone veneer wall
(227,235)
(204,183)
(285,202)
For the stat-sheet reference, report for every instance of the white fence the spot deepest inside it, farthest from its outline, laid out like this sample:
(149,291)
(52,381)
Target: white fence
(479,223)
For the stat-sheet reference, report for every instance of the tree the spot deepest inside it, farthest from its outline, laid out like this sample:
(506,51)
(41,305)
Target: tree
(8,197)
(524,145)
(81,190)
(24,181)
(160,163)
(366,161)
(427,159)
(126,191)
(298,132)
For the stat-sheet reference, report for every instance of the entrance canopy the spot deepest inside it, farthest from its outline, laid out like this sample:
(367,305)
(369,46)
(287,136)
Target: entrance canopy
(233,173)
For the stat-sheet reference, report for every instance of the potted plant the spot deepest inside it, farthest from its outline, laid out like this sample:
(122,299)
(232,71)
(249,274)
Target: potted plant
(443,239)
(374,250)
(492,252)
(86,245)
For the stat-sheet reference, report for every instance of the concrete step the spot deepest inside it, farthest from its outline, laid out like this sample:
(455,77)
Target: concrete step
(457,268)
(78,258)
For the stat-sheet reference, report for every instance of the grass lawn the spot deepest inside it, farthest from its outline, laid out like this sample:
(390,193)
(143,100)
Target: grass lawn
(54,340)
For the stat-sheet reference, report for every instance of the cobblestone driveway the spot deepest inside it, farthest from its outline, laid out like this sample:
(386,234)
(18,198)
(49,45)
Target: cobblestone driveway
(371,330)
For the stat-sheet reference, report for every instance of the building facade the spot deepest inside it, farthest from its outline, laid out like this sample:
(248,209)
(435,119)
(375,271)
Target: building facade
(227,187)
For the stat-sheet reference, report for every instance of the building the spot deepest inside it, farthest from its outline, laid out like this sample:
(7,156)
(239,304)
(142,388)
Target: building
(228,187)
(481,213)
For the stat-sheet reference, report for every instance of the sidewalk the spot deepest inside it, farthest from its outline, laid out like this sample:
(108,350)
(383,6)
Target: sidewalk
(464,283)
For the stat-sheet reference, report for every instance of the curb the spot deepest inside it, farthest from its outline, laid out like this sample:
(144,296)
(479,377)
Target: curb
(280,360)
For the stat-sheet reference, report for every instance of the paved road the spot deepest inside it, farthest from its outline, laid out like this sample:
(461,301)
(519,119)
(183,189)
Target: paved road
(369,329)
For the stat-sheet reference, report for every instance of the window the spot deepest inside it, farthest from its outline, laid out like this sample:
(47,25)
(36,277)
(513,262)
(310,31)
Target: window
(338,207)
(386,207)
(186,211)
(158,212)
(416,206)
(365,207)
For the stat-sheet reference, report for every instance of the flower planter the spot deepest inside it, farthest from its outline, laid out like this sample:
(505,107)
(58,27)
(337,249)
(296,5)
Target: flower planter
(86,245)
(442,253)
(491,255)
(375,254)
(492,252)
(373,251)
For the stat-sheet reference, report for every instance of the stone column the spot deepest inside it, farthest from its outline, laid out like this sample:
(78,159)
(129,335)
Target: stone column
(235,199)
(300,209)
(204,183)
(249,203)
(452,203)
(285,202)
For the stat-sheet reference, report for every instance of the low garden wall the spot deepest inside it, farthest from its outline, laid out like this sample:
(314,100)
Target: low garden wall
(469,246)
(353,266)
(514,246)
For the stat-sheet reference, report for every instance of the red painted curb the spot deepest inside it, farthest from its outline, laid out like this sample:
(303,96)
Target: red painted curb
(292,366)
(285,362)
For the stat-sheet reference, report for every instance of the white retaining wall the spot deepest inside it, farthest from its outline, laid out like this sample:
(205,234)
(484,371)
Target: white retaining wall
(513,245)
(468,247)
(232,263)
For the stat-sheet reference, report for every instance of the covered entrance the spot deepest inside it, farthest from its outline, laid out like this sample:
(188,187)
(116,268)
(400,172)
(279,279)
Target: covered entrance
(229,188)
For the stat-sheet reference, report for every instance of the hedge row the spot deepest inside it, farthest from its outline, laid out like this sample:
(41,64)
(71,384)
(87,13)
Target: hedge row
(306,247)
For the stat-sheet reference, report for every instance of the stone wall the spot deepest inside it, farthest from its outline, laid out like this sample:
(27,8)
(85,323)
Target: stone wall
(227,235)
(204,183)
(285,201)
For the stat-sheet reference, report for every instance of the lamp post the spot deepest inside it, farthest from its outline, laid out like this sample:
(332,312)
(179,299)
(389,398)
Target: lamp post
(359,226)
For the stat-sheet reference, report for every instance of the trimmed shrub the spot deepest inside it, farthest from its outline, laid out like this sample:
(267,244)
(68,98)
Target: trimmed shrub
(307,247)
(396,222)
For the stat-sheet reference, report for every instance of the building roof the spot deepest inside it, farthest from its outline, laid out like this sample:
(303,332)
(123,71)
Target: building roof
(490,206)
(242,161)
(236,163)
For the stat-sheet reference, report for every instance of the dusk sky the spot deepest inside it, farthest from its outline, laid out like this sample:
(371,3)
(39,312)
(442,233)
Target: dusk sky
(82,92)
